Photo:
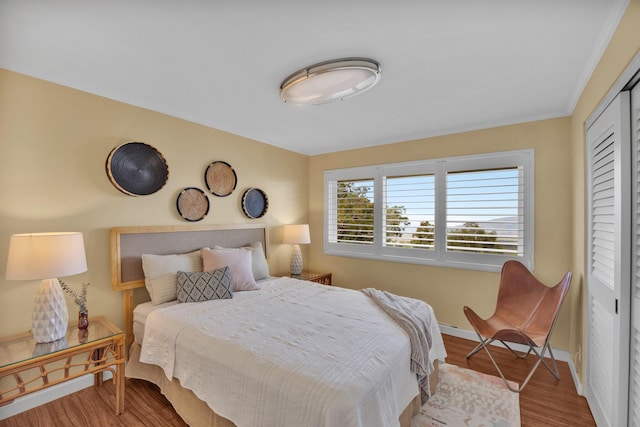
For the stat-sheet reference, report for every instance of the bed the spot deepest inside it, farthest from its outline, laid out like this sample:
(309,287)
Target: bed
(289,352)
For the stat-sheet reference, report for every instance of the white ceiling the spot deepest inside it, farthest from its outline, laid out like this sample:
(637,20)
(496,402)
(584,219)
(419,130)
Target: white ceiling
(447,65)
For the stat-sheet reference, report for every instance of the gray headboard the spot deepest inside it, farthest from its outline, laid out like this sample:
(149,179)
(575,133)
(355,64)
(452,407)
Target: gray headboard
(129,243)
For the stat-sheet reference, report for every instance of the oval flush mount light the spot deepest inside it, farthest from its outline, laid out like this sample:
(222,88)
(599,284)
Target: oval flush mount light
(330,81)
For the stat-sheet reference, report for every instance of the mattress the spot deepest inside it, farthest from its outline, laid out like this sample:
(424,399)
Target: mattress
(316,363)
(140,314)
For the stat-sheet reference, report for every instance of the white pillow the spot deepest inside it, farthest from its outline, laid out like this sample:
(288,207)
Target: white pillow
(160,273)
(259,265)
(239,263)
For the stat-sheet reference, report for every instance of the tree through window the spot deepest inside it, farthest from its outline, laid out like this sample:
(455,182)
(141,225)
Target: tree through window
(470,212)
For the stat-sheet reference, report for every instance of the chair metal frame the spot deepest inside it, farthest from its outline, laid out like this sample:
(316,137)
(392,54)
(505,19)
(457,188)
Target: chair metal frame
(515,335)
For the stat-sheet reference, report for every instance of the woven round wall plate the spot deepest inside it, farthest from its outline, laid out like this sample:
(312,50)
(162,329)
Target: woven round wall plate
(220,178)
(254,203)
(137,169)
(192,204)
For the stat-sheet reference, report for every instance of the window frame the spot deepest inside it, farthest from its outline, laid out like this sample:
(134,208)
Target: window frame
(439,256)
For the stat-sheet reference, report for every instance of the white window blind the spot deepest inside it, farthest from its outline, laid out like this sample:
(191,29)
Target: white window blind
(353,218)
(485,211)
(409,211)
(470,212)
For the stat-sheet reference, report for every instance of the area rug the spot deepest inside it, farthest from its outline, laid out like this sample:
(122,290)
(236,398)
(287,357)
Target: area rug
(469,398)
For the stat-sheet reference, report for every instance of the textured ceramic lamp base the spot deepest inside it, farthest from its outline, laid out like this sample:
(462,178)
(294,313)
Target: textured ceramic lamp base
(296,260)
(50,316)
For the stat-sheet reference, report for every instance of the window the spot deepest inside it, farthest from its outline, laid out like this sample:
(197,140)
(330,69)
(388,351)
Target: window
(468,212)
(414,195)
(355,212)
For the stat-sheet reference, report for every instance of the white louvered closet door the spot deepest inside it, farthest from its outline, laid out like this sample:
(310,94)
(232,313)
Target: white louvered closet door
(607,282)
(634,377)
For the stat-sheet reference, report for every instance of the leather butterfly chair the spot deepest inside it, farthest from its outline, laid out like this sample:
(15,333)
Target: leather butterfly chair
(526,313)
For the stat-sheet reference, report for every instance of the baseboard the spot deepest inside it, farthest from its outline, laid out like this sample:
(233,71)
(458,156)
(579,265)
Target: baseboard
(560,355)
(41,397)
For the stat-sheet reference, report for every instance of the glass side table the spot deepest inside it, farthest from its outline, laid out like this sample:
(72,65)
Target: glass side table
(27,366)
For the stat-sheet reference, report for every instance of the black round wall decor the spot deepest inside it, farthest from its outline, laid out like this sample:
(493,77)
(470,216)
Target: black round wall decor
(137,169)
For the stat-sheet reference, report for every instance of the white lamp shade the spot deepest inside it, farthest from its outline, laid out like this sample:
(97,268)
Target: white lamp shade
(45,255)
(296,234)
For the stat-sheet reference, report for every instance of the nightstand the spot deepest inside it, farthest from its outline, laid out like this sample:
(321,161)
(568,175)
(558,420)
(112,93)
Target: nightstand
(27,366)
(322,278)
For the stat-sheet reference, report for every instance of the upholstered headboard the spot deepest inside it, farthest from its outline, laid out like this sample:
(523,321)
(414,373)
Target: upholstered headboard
(129,243)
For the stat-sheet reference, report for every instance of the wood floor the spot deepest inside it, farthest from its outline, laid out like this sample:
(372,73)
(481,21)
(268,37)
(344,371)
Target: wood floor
(544,402)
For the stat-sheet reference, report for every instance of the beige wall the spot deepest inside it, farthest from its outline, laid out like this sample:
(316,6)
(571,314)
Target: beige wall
(560,238)
(53,145)
(446,289)
(623,47)
(54,141)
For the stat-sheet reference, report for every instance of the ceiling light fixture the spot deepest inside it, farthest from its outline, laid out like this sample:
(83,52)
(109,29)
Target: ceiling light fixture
(330,81)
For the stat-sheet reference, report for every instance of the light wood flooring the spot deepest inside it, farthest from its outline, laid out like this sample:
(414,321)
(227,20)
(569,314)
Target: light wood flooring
(544,402)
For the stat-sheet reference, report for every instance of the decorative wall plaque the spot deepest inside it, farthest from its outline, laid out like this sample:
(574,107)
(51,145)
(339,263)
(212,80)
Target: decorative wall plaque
(254,203)
(220,178)
(137,169)
(192,204)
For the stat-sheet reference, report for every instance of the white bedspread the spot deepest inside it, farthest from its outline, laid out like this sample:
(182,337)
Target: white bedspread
(291,354)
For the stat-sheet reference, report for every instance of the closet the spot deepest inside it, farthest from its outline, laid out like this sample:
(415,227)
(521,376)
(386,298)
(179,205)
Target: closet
(612,347)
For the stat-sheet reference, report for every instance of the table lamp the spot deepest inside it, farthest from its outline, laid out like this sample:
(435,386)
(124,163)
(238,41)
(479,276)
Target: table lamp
(47,256)
(296,234)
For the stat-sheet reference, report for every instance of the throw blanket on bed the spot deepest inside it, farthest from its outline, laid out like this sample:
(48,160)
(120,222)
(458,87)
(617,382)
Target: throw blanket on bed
(414,317)
(291,354)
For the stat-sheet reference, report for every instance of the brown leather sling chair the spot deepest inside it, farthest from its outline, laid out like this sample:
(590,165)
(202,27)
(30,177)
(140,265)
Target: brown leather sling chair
(526,313)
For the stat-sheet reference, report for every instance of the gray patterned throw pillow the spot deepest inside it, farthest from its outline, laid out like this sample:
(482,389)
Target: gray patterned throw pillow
(204,286)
